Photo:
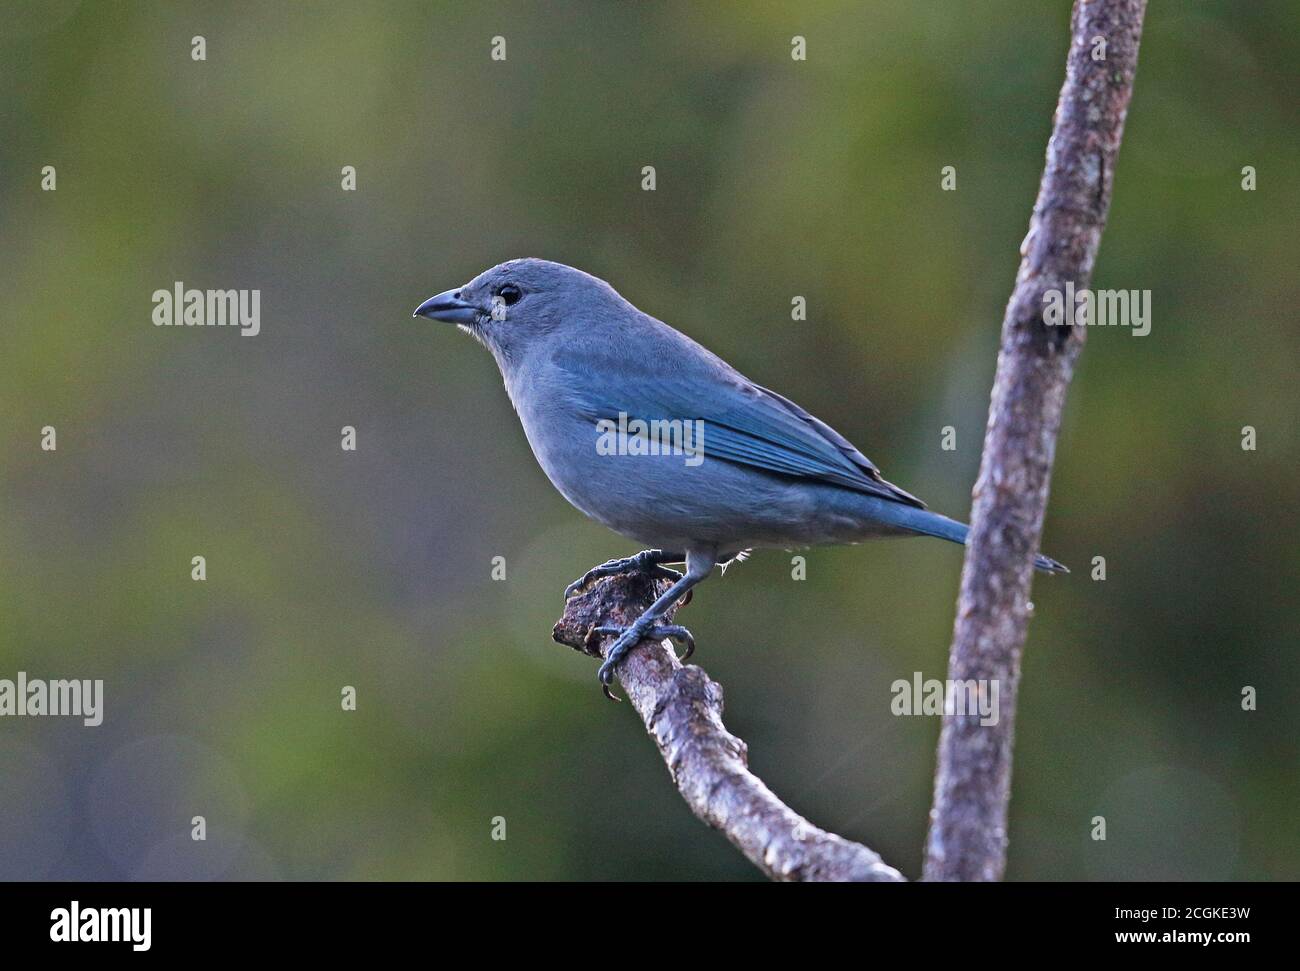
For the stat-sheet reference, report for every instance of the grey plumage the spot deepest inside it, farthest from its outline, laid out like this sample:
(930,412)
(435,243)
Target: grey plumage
(574,353)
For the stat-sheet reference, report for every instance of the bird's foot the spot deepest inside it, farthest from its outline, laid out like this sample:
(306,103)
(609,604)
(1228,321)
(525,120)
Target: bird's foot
(647,561)
(628,638)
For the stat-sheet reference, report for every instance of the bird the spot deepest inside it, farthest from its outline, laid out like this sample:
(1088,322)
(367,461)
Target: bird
(646,431)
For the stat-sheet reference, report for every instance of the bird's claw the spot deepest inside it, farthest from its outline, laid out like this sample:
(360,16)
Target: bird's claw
(678,633)
(658,632)
(592,640)
(627,638)
(592,574)
(644,562)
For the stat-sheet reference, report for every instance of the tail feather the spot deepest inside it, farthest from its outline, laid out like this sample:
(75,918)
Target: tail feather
(928,523)
(1049,565)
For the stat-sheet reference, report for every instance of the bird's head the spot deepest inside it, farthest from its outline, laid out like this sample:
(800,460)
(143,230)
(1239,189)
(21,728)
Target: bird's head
(520,303)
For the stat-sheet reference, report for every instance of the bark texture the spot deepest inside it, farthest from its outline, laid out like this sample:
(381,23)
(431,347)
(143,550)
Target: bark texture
(968,822)
(682,710)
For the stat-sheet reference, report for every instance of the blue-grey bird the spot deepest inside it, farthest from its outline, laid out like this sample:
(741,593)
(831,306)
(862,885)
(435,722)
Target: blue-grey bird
(661,440)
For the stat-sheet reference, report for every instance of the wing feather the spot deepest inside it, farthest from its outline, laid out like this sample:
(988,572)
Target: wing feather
(744,423)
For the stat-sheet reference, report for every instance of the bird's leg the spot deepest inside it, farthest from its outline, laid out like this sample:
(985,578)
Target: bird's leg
(648,626)
(647,561)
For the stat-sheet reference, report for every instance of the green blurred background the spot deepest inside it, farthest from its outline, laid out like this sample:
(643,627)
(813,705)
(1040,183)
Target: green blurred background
(776,178)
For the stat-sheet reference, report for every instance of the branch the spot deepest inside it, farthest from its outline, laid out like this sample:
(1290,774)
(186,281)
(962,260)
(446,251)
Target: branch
(682,710)
(967,839)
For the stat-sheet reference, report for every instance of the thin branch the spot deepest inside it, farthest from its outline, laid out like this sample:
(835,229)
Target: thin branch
(967,839)
(682,710)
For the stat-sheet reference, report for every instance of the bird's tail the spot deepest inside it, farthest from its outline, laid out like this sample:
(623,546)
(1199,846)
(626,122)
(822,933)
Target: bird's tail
(932,524)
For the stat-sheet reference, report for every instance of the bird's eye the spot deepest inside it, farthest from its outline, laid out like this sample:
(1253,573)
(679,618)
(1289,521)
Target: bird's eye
(510,294)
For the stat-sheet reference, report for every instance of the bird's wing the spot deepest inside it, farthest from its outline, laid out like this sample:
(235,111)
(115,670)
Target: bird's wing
(744,423)
(864,468)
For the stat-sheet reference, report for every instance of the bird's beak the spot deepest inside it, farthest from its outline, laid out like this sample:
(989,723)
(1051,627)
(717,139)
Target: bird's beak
(450,307)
